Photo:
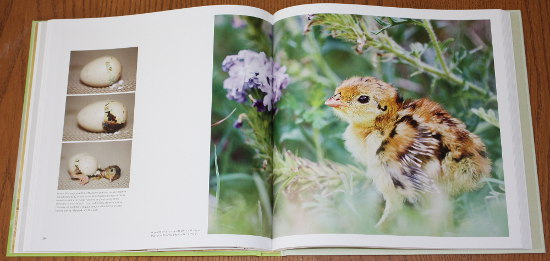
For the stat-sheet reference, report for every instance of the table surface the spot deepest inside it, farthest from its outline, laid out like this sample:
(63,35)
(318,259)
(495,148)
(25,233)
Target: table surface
(15,26)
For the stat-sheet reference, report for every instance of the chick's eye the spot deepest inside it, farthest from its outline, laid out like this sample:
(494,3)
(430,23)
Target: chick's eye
(363,99)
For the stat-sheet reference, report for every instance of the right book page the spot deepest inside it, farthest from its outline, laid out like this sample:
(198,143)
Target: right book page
(399,128)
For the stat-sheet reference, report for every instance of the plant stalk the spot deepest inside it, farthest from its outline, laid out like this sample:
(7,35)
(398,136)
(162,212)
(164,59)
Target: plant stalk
(382,42)
(450,77)
(320,61)
(433,38)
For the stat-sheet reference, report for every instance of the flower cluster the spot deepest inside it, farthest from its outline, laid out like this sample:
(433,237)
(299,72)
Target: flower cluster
(238,22)
(250,71)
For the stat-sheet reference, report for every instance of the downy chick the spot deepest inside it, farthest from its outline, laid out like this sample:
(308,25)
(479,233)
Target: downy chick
(409,147)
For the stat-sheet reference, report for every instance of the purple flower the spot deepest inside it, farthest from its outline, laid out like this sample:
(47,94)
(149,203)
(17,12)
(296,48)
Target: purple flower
(259,106)
(280,81)
(238,22)
(244,73)
(238,124)
(251,70)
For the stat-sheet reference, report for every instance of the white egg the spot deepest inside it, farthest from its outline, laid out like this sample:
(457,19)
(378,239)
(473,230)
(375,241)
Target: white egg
(101,72)
(103,116)
(83,163)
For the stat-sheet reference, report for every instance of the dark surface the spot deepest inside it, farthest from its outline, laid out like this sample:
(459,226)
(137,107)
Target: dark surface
(15,26)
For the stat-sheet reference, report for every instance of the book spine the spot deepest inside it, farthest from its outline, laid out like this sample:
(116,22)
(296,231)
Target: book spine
(22,141)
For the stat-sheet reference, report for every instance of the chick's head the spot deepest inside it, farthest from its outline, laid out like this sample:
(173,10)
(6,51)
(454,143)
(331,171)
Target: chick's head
(361,100)
(112,173)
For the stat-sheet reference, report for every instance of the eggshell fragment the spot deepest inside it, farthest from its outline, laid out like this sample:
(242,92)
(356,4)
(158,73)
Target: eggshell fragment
(103,116)
(101,72)
(83,163)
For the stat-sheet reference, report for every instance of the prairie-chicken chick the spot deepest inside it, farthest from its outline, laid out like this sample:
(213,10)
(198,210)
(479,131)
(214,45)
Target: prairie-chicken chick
(111,173)
(84,167)
(409,147)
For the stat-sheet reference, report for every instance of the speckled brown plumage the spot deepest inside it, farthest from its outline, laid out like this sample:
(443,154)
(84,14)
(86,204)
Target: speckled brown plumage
(409,147)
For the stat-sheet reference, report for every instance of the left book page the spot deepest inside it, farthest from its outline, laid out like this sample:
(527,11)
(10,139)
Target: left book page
(127,135)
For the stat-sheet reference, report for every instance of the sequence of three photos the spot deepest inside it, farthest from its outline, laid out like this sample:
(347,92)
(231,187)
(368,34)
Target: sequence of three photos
(99,120)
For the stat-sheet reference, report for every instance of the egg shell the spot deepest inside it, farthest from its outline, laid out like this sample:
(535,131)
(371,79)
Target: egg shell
(102,116)
(83,163)
(101,72)
(118,110)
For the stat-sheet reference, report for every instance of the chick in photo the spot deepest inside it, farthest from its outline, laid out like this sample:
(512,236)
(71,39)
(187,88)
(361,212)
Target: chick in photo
(85,167)
(412,149)
(111,173)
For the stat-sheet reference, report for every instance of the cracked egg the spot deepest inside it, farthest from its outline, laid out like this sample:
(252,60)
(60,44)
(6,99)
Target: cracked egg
(101,72)
(103,116)
(83,163)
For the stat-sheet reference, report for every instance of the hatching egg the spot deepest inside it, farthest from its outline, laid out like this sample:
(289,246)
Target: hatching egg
(103,116)
(101,72)
(83,163)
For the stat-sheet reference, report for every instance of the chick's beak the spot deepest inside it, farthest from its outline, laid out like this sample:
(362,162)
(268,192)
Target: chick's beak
(334,102)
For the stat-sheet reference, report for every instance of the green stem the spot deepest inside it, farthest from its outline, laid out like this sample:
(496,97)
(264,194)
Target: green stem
(320,61)
(218,181)
(359,30)
(318,146)
(259,136)
(218,185)
(433,38)
(413,61)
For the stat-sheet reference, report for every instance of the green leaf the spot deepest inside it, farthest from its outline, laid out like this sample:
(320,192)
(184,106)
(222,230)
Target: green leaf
(445,44)
(416,73)
(417,49)
(380,21)
(489,116)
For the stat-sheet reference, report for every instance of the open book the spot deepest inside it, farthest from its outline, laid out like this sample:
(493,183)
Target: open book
(321,129)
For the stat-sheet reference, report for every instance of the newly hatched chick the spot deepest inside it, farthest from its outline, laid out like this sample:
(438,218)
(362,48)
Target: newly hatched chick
(111,173)
(409,147)
(84,167)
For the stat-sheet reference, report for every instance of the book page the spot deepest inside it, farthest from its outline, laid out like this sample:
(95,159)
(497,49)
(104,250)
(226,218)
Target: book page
(242,112)
(128,147)
(398,129)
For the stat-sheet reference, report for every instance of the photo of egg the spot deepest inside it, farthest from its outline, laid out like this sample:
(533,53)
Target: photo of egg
(82,163)
(102,71)
(103,116)
(95,165)
(99,117)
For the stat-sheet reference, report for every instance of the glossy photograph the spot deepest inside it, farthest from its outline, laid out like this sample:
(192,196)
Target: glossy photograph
(388,126)
(99,117)
(355,125)
(102,71)
(95,165)
(244,99)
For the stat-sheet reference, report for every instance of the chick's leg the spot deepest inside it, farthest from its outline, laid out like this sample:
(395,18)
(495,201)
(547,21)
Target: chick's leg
(393,203)
(84,179)
(81,177)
